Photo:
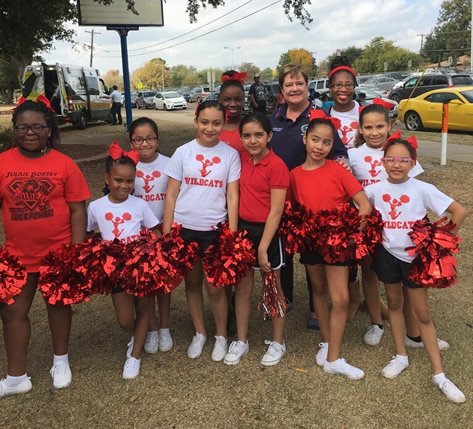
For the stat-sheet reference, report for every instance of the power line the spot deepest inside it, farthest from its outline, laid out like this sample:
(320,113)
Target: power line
(188,32)
(202,35)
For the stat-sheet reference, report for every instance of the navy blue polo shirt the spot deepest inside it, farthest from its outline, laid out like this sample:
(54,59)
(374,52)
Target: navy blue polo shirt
(287,138)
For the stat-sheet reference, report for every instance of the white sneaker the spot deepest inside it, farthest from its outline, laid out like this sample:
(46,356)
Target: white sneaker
(131,369)
(321,356)
(151,343)
(196,346)
(235,352)
(61,374)
(395,366)
(130,347)
(220,348)
(274,353)
(443,345)
(165,340)
(452,392)
(373,335)
(341,366)
(24,387)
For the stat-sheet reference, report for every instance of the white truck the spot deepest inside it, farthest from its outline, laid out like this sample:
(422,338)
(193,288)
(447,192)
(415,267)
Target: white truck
(77,93)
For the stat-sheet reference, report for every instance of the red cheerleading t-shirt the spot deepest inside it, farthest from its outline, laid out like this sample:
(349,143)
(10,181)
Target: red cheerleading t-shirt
(323,188)
(232,138)
(34,194)
(256,182)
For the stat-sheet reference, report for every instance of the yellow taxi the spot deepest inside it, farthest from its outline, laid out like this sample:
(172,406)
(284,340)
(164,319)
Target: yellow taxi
(425,111)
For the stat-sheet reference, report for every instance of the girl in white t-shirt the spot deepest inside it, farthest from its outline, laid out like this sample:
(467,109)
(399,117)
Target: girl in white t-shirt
(150,186)
(367,166)
(402,200)
(203,192)
(120,215)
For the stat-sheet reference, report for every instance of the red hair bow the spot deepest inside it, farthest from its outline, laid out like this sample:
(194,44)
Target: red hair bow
(116,152)
(238,76)
(397,136)
(40,99)
(386,104)
(320,114)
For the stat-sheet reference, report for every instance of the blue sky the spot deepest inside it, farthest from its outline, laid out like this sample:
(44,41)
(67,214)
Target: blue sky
(260,38)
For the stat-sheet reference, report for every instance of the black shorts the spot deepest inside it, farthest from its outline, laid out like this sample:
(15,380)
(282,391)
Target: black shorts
(312,257)
(203,238)
(275,250)
(391,270)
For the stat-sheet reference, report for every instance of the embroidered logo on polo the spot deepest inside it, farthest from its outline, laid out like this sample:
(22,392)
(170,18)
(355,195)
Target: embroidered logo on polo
(116,221)
(147,179)
(31,198)
(394,203)
(346,130)
(206,163)
(373,163)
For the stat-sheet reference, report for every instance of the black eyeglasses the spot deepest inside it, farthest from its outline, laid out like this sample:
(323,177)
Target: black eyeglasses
(36,128)
(140,140)
(338,86)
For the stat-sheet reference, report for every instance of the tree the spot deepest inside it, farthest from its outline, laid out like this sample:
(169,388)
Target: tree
(351,53)
(112,77)
(451,34)
(8,80)
(291,8)
(380,51)
(153,75)
(267,74)
(250,69)
(182,75)
(298,56)
(25,32)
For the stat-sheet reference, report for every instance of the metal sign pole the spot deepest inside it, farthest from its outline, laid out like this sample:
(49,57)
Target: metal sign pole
(126,77)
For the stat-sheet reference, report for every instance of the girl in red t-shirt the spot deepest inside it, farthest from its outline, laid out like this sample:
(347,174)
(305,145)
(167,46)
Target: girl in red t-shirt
(263,184)
(319,184)
(43,195)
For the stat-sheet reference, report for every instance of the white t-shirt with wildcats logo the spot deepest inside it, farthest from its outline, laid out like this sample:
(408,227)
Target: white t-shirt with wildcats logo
(349,124)
(204,173)
(400,206)
(367,166)
(151,184)
(120,220)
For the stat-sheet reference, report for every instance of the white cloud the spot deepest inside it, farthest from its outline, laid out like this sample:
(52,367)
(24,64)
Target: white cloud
(263,37)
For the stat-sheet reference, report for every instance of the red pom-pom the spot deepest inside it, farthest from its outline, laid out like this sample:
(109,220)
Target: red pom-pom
(435,244)
(101,263)
(157,264)
(12,277)
(229,260)
(372,234)
(59,280)
(272,302)
(297,228)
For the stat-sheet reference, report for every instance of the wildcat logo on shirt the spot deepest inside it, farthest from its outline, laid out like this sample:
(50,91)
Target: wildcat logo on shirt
(147,179)
(345,130)
(31,198)
(116,221)
(395,203)
(373,163)
(206,163)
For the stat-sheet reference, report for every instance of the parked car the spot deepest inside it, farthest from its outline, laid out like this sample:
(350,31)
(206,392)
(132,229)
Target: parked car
(145,99)
(318,84)
(186,93)
(199,93)
(383,83)
(169,100)
(427,82)
(213,96)
(272,96)
(425,111)
(132,98)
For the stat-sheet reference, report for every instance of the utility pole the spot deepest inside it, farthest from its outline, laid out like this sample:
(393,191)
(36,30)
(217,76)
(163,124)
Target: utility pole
(91,46)
(471,39)
(422,41)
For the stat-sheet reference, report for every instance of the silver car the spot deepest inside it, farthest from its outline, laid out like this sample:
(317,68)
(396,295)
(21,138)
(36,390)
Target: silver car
(169,100)
(145,99)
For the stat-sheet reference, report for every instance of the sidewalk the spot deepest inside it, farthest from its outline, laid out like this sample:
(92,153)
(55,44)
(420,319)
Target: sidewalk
(455,152)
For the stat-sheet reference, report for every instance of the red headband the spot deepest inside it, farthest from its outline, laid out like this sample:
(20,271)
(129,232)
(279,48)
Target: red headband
(240,77)
(397,136)
(116,152)
(320,114)
(40,99)
(342,68)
